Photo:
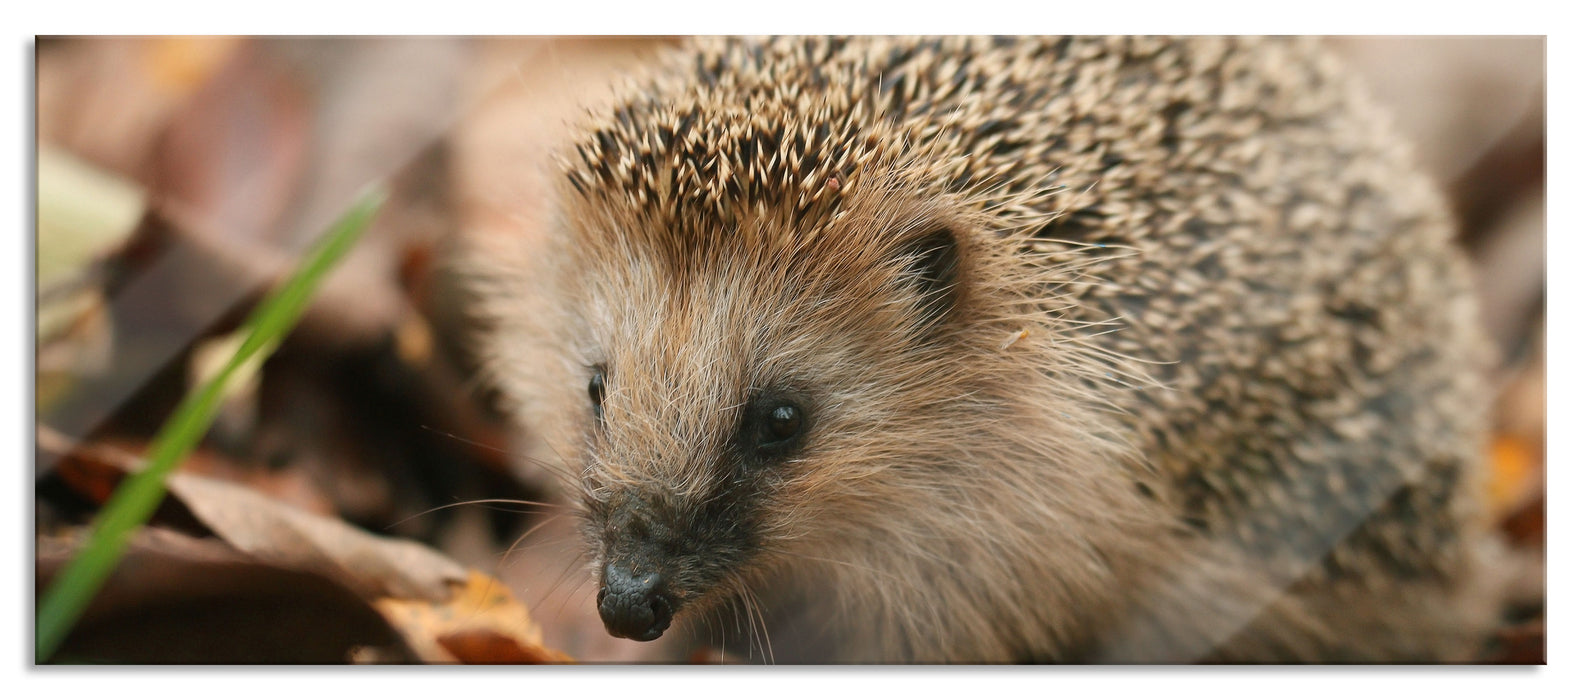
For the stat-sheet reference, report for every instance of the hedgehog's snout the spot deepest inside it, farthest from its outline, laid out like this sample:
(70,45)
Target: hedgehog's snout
(660,551)
(636,599)
(634,604)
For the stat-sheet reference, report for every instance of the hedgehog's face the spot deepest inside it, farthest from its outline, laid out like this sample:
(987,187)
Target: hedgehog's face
(745,402)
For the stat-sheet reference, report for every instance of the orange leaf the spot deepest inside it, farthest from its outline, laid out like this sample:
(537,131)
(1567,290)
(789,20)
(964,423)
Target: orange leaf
(1513,473)
(482,623)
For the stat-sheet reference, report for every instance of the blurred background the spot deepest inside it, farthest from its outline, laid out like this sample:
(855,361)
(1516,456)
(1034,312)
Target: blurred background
(179,177)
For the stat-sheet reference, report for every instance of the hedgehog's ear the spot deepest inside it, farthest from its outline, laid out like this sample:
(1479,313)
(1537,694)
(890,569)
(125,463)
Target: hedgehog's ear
(932,266)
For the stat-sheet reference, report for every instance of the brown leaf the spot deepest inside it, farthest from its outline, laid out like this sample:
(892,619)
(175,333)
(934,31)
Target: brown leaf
(275,532)
(175,598)
(1520,644)
(444,613)
(93,471)
(107,98)
(1525,525)
(481,624)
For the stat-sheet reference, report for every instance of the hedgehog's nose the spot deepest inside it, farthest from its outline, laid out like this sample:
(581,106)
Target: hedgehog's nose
(633,605)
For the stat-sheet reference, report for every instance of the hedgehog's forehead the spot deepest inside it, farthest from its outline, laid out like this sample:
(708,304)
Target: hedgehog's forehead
(758,243)
(718,272)
(720,155)
(821,192)
(654,196)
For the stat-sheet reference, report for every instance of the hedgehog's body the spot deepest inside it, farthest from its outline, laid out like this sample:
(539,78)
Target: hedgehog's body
(1066,349)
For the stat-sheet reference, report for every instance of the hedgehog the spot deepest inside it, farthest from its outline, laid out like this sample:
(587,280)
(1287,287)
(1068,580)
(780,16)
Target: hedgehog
(987,350)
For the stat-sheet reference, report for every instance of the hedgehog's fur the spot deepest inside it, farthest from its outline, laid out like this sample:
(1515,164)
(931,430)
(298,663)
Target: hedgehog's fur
(1136,349)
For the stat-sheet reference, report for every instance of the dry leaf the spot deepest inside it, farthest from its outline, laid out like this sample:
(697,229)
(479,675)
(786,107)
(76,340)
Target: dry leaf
(481,624)
(279,534)
(1515,473)
(176,598)
(445,613)
(276,533)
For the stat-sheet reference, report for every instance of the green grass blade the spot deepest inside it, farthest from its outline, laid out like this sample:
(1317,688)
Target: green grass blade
(137,497)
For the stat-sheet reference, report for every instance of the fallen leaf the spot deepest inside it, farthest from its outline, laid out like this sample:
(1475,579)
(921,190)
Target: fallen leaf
(84,213)
(482,623)
(1515,472)
(1522,644)
(176,598)
(184,63)
(277,533)
(443,612)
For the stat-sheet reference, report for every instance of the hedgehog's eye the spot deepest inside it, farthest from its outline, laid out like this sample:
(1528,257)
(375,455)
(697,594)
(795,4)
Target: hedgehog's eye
(772,426)
(596,392)
(782,423)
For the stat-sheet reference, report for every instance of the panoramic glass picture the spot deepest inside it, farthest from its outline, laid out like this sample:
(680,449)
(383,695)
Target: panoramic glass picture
(790,350)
